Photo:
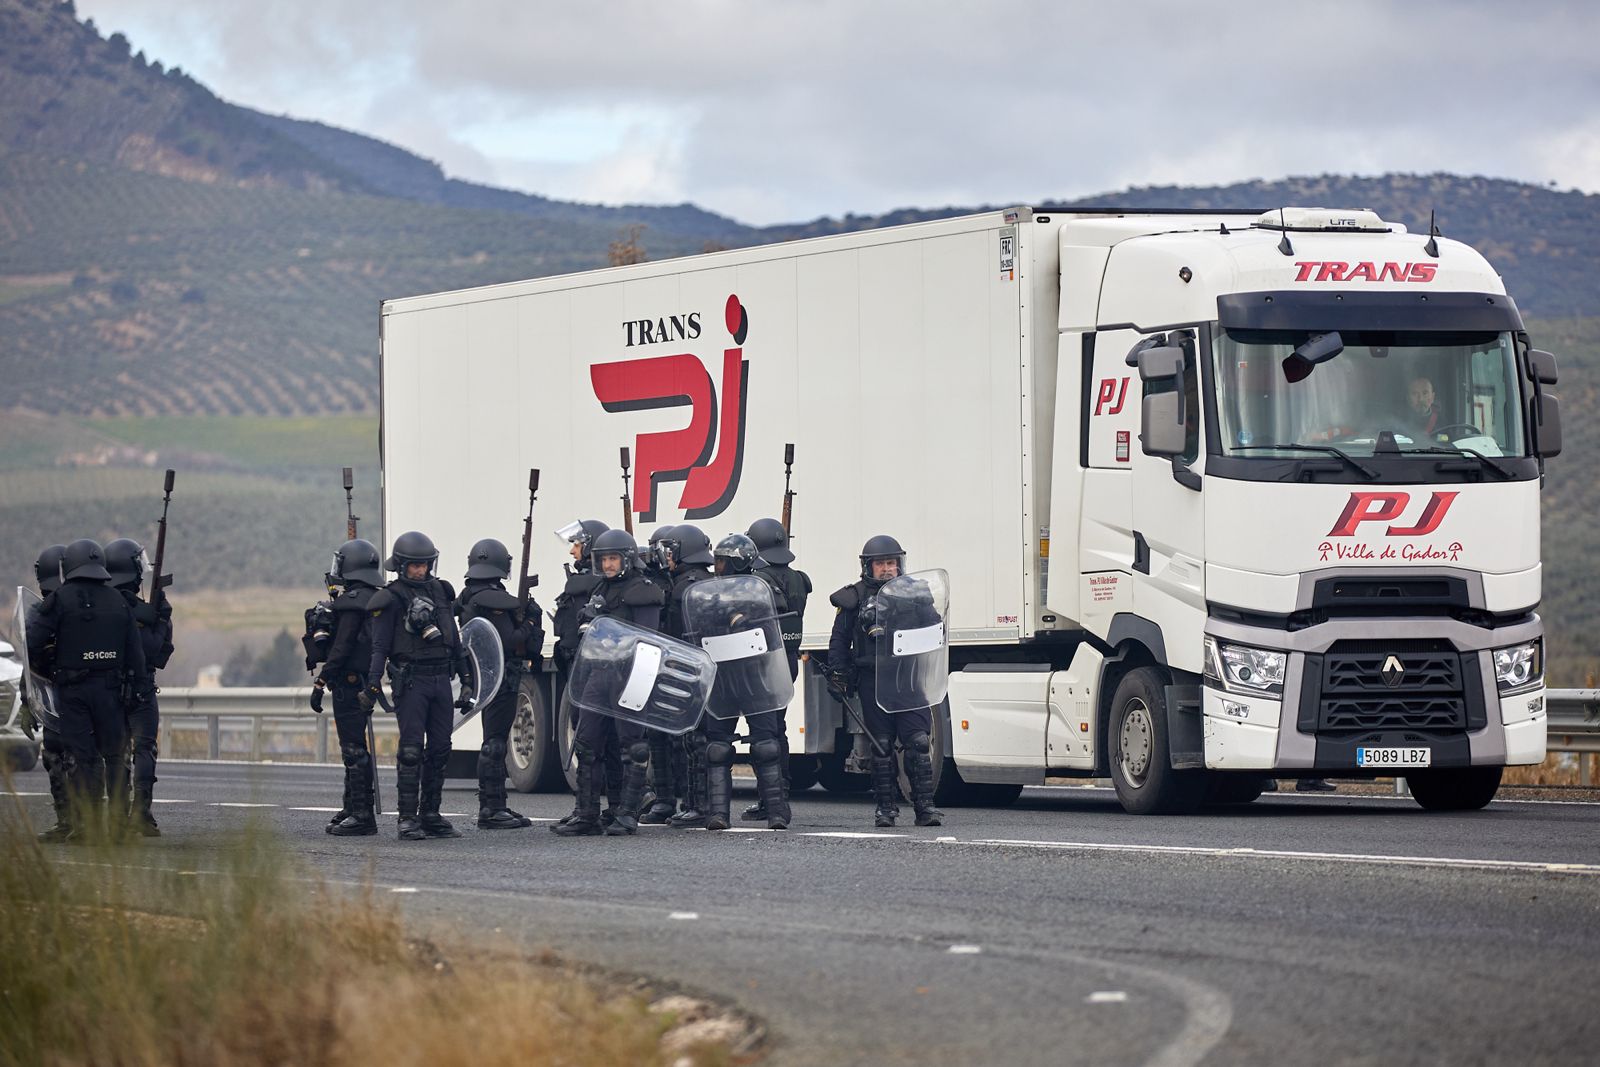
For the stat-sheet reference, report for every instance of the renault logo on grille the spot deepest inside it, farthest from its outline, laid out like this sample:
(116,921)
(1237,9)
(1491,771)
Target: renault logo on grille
(1393,671)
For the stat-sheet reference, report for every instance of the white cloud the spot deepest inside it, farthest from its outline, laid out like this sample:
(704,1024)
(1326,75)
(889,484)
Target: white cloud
(784,111)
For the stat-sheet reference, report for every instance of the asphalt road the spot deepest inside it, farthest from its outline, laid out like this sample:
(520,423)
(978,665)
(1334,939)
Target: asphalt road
(1324,929)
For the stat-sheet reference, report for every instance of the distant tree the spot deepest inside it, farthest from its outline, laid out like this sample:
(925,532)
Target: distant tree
(195,295)
(118,46)
(629,249)
(124,292)
(239,668)
(283,662)
(712,246)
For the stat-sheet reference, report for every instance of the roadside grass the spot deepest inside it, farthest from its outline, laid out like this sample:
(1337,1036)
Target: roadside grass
(229,954)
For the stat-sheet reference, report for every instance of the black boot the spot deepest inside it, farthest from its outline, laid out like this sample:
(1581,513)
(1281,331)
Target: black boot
(434,824)
(719,784)
(694,798)
(492,811)
(55,768)
(769,783)
(662,804)
(585,818)
(883,788)
(408,788)
(344,805)
(360,822)
(626,821)
(141,821)
(919,772)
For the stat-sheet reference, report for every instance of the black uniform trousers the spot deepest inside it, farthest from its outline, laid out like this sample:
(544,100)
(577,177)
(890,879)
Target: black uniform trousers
(899,726)
(94,731)
(603,735)
(502,710)
(350,720)
(425,709)
(765,726)
(144,723)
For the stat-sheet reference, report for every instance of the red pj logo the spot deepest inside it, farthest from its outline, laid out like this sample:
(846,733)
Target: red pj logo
(1386,508)
(707,454)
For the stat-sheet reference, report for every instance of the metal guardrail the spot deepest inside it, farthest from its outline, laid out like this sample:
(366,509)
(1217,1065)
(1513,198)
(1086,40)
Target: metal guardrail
(1574,717)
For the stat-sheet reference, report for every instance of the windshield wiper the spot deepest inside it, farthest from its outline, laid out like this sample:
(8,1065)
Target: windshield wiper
(1366,471)
(1456,450)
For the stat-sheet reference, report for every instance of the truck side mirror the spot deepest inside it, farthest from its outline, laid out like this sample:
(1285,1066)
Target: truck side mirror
(1541,367)
(1161,429)
(1544,421)
(1160,363)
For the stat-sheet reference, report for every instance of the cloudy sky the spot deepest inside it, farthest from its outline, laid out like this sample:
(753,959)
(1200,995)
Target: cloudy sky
(783,111)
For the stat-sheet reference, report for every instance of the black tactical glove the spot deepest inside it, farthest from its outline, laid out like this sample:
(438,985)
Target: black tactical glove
(368,697)
(464,701)
(839,685)
(26,720)
(317,689)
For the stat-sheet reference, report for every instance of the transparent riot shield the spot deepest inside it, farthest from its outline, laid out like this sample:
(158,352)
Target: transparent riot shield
(481,642)
(640,676)
(39,692)
(735,620)
(913,644)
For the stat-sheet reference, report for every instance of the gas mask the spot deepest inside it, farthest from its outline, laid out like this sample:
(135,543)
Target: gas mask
(420,619)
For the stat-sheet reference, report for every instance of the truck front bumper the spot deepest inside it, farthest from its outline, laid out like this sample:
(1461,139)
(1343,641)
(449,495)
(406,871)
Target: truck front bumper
(1335,703)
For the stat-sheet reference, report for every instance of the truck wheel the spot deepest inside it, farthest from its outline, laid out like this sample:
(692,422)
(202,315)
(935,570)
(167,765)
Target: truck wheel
(1454,788)
(24,756)
(530,757)
(1141,765)
(1234,788)
(802,773)
(566,736)
(834,778)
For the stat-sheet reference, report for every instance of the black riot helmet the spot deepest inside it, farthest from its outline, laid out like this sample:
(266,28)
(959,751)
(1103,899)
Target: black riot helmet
(125,560)
(582,532)
(489,559)
(772,540)
(657,556)
(47,569)
(613,543)
(881,546)
(736,554)
(84,559)
(356,561)
(689,544)
(413,547)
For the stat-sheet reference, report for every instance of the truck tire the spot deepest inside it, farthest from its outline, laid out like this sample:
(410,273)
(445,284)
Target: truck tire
(835,779)
(1141,766)
(1454,788)
(1222,788)
(802,773)
(531,762)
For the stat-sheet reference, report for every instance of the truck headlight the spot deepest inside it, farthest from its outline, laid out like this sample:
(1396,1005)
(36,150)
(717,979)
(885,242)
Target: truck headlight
(1520,666)
(1241,669)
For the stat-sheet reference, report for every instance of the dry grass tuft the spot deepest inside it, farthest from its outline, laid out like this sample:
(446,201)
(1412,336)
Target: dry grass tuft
(118,955)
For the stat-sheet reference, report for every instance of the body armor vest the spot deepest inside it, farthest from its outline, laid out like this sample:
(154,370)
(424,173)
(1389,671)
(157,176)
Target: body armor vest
(92,627)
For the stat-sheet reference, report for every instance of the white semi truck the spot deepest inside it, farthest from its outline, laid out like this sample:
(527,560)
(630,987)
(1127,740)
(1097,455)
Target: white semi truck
(1222,496)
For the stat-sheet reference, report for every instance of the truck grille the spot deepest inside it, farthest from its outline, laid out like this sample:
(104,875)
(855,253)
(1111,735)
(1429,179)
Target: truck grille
(1358,694)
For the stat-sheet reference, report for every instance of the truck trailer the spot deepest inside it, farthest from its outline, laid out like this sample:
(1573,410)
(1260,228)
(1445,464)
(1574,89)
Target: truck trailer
(1223,496)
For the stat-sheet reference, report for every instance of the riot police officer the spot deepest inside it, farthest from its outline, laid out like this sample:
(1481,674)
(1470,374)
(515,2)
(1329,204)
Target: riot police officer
(655,558)
(415,636)
(626,595)
(484,596)
(772,541)
(736,554)
(852,667)
(582,581)
(689,560)
(47,573)
(83,638)
(357,576)
(125,560)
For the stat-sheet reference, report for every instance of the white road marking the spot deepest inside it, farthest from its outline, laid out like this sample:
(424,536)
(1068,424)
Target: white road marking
(240,804)
(1107,996)
(169,800)
(747,830)
(316,809)
(1280,854)
(844,834)
(404,889)
(684,916)
(964,950)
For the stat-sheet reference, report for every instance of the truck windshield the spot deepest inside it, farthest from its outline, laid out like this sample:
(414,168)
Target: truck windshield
(1431,391)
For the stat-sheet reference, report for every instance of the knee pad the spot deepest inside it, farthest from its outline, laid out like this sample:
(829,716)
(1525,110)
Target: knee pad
(494,749)
(919,743)
(409,756)
(766,751)
(639,751)
(584,751)
(719,753)
(352,753)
